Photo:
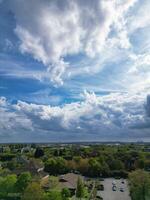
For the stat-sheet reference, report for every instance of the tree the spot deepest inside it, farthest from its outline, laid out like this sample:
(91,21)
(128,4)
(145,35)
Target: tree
(50,166)
(54,195)
(80,188)
(82,166)
(7,156)
(54,182)
(95,168)
(38,153)
(23,181)
(116,164)
(65,193)
(33,191)
(55,166)
(140,185)
(7,184)
(61,165)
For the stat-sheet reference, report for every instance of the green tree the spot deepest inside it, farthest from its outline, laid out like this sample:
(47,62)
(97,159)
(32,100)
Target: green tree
(95,167)
(33,192)
(7,184)
(116,164)
(80,188)
(56,166)
(61,166)
(23,181)
(54,182)
(38,153)
(140,185)
(50,166)
(65,193)
(54,195)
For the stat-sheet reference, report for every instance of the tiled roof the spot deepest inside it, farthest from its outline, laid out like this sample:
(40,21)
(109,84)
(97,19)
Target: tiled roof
(69,180)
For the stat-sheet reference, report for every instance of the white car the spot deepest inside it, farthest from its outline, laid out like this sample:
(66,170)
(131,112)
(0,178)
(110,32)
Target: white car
(113,182)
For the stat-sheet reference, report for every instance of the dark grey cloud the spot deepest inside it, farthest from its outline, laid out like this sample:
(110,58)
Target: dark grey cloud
(148,105)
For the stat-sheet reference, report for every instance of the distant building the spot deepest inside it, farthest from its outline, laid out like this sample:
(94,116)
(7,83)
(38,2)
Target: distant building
(27,149)
(147,150)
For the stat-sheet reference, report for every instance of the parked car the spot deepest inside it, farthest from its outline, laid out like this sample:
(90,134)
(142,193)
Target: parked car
(99,198)
(100,187)
(122,181)
(114,183)
(114,188)
(121,189)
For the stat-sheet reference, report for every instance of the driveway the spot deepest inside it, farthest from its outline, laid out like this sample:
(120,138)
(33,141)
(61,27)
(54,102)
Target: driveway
(109,194)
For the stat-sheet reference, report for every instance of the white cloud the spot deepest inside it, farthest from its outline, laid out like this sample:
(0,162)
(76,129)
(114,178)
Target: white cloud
(113,39)
(141,19)
(2,101)
(107,116)
(141,63)
(10,121)
(8,45)
(50,30)
(139,72)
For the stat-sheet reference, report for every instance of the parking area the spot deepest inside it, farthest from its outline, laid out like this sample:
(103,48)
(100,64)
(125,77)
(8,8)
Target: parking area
(115,189)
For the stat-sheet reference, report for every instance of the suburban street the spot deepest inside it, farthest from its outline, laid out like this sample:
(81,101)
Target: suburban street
(109,194)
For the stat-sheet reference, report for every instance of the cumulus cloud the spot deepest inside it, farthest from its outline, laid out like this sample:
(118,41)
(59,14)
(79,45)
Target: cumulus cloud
(2,101)
(139,72)
(141,19)
(107,116)
(11,121)
(100,45)
(50,30)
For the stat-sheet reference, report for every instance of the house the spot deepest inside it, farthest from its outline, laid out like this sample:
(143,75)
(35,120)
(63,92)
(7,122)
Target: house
(69,181)
(26,149)
(44,180)
(147,150)
(22,160)
(35,167)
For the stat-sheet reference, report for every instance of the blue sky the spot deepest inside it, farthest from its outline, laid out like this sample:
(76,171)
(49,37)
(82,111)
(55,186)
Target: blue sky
(74,70)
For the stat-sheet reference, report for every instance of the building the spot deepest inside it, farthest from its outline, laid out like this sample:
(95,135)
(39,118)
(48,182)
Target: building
(69,181)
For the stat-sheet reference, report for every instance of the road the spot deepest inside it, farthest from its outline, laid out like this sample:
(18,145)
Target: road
(109,194)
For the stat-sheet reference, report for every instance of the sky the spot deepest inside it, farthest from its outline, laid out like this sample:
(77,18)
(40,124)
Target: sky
(74,70)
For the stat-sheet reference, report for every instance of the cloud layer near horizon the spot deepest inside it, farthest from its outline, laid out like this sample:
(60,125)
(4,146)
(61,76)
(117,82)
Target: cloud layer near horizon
(115,116)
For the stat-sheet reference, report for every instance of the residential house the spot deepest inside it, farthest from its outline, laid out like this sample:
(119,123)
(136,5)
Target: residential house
(69,181)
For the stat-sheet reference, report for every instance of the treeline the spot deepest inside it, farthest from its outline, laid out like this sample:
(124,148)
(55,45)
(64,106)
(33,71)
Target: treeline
(93,161)
(92,167)
(97,161)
